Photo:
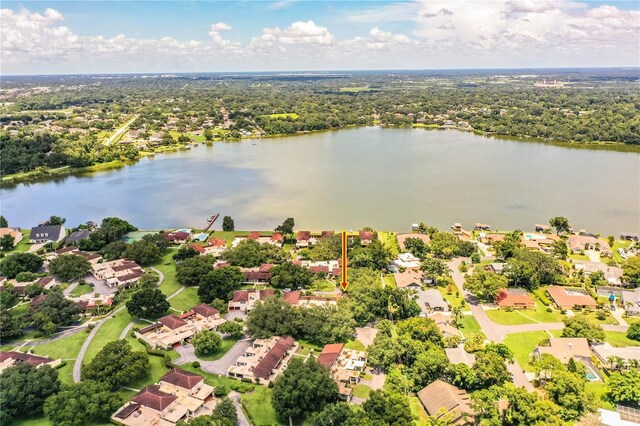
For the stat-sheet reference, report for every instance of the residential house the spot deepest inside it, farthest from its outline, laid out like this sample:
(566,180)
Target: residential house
(431,301)
(174,329)
(517,298)
(442,400)
(323,267)
(264,360)
(75,237)
(245,300)
(303,239)
(64,250)
(565,348)
(366,237)
(261,274)
(631,301)
(16,233)
(178,396)
(93,304)
(570,297)
(117,273)
(345,366)
(296,298)
(11,358)
(445,324)
(47,234)
(481,227)
(580,243)
(612,274)
(458,355)
(216,247)
(407,261)
(178,237)
(402,238)
(604,351)
(410,279)
(496,267)
(631,236)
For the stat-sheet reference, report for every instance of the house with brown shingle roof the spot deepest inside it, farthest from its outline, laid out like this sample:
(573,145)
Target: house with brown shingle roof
(441,399)
(366,237)
(245,300)
(264,360)
(570,297)
(11,358)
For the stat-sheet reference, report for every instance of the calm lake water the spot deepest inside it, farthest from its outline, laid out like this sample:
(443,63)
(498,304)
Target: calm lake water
(385,178)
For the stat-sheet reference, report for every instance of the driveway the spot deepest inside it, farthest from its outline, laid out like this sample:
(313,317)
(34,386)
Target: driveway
(242,419)
(220,366)
(377,379)
(366,335)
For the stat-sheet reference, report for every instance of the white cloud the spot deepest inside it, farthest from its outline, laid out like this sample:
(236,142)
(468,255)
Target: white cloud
(298,33)
(221,26)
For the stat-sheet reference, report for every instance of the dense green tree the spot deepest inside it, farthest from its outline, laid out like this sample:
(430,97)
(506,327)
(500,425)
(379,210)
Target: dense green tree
(287,226)
(434,268)
(624,388)
(633,332)
(158,239)
(190,271)
(20,262)
(55,220)
(490,369)
(374,256)
(485,285)
(327,324)
(142,252)
(568,391)
(185,253)
(208,135)
(224,414)
(531,269)
(250,253)
(387,408)
(507,247)
(206,342)
(501,350)
(445,246)
(305,387)
(631,269)
(561,224)
(430,366)
(417,247)
(10,326)
(25,277)
(3,222)
(116,365)
(69,267)
(581,327)
(24,389)
(33,290)
(7,241)
(232,328)
(327,248)
(289,275)
(82,403)
(227,224)
(149,303)
(8,296)
(220,284)
(53,311)
(114,250)
(273,317)
(333,415)
(559,249)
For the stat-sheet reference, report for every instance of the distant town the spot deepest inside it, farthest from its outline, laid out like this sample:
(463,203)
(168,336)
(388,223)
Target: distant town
(188,326)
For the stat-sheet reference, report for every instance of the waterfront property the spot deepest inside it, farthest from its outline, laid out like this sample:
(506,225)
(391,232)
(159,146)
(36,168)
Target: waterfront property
(16,233)
(264,360)
(580,243)
(402,238)
(47,234)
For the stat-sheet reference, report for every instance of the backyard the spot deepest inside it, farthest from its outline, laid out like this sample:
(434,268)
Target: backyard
(185,300)
(619,339)
(523,344)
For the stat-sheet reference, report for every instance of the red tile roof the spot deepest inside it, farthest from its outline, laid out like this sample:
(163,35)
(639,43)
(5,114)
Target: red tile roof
(266,267)
(303,235)
(22,357)
(257,276)
(327,234)
(151,396)
(181,378)
(292,297)
(329,354)
(217,242)
(197,248)
(277,237)
(172,321)
(253,236)
(205,310)
(578,297)
(514,297)
(319,269)
(366,235)
(273,357)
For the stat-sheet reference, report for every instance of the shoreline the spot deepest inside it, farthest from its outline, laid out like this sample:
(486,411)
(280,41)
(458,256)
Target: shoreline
(44,175)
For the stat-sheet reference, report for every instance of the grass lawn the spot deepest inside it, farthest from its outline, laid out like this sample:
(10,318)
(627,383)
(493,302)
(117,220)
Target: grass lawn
(81,289)
(619,339)
(227,343)
(523,344)
(453,300)
(306,347)
(632,320)
(20,310)
(579,257)
(591,316)
(355,89)
(259,408)
(469,325)
(67,349)
(167,266)
(417,410)
(22,246)
(539,314)
(389,281)
(623,244)
(389,240)
(109,332)
(361,391)
(322,285)
(355,345)
(186,299)
(599,388)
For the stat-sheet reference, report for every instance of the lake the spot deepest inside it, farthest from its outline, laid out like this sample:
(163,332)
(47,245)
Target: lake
(348,179)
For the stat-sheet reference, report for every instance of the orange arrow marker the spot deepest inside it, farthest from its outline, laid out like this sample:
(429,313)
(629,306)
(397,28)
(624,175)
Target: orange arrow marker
(343,282)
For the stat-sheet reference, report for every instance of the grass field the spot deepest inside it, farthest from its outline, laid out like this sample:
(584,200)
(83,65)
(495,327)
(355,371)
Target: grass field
(361,391)
(81,289)
(186,299)
(389,240)
(22,246)
(67,349)
(619,339)
(109,332)
(355,89)
(469,325)
(20,310)
(417,410)
(599,388)
(355,345)
(258,404)
(389,281)
(539,314)
(227,343)
(167,266)
(523,344)
(453,300)
(591,316)
(619,244)
(322,285)
(291,115)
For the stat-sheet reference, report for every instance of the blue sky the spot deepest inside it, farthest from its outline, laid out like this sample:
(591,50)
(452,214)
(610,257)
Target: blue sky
(145,36)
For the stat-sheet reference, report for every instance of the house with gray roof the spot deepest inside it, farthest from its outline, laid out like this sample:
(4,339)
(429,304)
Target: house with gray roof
(631,302)
(75,237)
(431,300)
(47,234)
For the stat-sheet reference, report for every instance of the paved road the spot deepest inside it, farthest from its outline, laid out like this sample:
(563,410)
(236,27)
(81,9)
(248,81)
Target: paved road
(220,366)
(242,419)
(60,335)
(118,133)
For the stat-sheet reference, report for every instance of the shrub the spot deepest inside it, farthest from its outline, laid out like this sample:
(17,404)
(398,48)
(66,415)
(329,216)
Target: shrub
(549,309)
(195,364)
(246,380)
(220,390)
(508,309)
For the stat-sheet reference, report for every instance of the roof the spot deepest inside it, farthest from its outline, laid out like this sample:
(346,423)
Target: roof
(565,348)
(257,276)
(578,242)
(151,396)
(329,354)
(292,297)
(303,235)
(403,237)
(172,321)
(325,234)
(273,357)
(253,235)
(568,297)
(217,242)
(51,232)
(514,297)
(181,378)
(277,237)
(67,249)
(10,231)
(20,356)
(127,410)
(79,235)
(440,395)
(205,310)
(407,278)
(197,248)
(433,298)
(243,295)
(323,269)
(458,355)
(366,235)
(605,350)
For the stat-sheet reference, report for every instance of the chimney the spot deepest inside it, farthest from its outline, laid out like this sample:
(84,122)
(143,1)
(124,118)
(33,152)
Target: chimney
(570,345)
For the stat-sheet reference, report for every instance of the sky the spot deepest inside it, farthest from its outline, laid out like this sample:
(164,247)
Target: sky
(61,37)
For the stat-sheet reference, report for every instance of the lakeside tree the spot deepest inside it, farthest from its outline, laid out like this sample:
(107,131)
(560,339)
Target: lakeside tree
(250,253)
(191,270)
(287,226)
(142,252)
(560,223)
(532,269)
(581,327)
(20,262)
(69,267)
(206,342)
(559,249)
(304,387)
(24,389)
(55,220)
(220,284)
(116,365)
(507,247)
(228,224)
(114,250)
(7,241)
(83,403)
(327,248)
(446,246)
(111,229)
(208,135)
(149,303)
(3,222)
(374,256)
(485,285)
(416,247)
(158,239)
(289,275)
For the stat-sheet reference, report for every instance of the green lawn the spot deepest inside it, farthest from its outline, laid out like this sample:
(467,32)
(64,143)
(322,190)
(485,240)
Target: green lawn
(539,314)
(227,343)
(599,388)
(186,299)
(20,310)
(322,285)
(523,344)
(167,266)
(22,246)
(259,408)
(355,89)
(469,325)
(355,345)
(109,332)
(67,349)
(389,240)
(591,316)
(361,391)
(389,281)
(81,289)
(454,299)
(292,115)
(623,244)
(307,347)
(619,339)
(632,320)
(417,410)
